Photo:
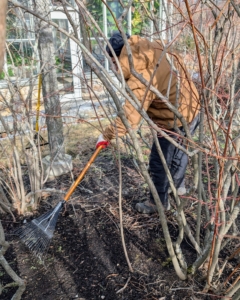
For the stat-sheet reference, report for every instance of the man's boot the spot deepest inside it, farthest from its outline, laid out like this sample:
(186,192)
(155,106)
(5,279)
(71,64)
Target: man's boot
(180,191)
(148,207)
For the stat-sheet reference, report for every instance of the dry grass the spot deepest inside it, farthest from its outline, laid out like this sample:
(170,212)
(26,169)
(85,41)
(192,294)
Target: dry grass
(78,138)
(81,137)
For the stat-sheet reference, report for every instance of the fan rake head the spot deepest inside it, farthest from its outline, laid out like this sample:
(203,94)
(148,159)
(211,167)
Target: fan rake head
(37,234)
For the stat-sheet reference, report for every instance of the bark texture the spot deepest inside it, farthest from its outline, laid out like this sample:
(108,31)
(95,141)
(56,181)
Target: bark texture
(3,9)
(49,80)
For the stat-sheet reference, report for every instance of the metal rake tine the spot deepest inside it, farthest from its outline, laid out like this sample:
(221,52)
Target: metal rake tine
(19,231)
(44,246)
(31,244)
(41,242)
(34,238)
(36,246)
(31,240)
(25,229)
(28,235)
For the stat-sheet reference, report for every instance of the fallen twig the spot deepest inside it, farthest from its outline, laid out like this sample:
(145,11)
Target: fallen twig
(123,288)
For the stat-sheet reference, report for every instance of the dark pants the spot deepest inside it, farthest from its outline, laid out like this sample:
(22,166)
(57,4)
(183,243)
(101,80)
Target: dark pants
(176,161)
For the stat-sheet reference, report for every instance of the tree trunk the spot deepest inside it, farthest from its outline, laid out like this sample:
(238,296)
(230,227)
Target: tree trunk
(83,27)
(85,40)
(49,80)
(3,9)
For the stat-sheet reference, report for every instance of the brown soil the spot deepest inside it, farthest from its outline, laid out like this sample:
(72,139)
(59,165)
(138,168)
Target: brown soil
(86,259)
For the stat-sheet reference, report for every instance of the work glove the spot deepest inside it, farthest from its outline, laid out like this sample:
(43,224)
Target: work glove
(102,142)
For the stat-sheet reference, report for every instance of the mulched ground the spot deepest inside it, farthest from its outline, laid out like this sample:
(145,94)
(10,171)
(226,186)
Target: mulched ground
(86,260)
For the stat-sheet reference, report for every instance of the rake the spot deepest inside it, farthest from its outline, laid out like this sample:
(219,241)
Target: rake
(37,234)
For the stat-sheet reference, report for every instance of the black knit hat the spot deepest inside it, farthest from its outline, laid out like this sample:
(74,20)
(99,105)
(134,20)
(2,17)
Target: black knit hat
(117,43)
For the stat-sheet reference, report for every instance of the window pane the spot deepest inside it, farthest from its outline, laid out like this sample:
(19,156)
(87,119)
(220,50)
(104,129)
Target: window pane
(27,3)
(19,26)
(59,3)
(140,19)
(97,53)
(21,60)
(95,8)
(117,10)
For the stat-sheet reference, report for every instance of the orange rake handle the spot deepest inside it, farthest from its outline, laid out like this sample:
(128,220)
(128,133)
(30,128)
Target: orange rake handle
(82,174)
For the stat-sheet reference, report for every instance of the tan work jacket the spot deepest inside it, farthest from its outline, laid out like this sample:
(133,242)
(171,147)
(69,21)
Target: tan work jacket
(145,57)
